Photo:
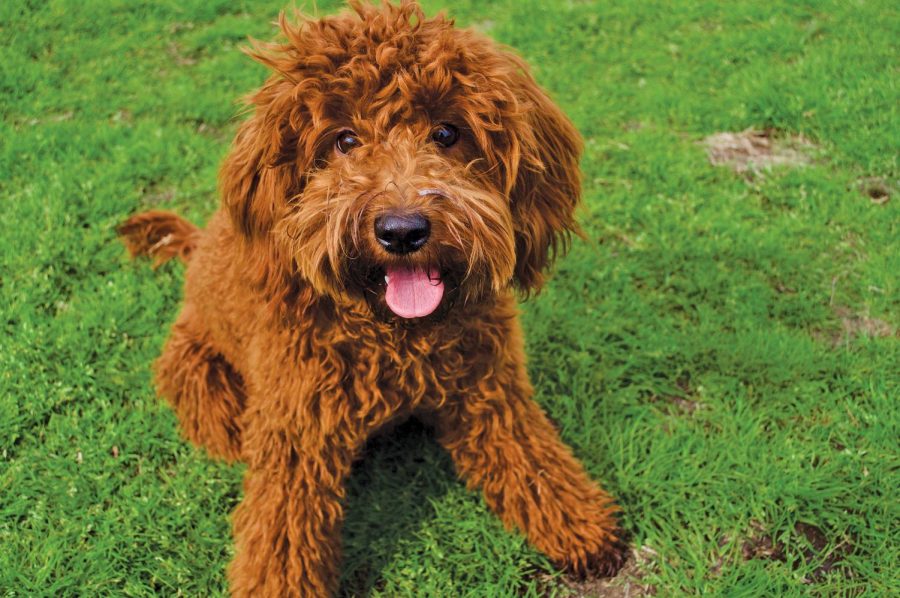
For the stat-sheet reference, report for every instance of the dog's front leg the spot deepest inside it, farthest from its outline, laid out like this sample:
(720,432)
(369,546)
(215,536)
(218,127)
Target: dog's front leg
(502,442)
(287,528)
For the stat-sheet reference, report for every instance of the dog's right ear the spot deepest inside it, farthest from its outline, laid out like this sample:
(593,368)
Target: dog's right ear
(276,148)
(263,169)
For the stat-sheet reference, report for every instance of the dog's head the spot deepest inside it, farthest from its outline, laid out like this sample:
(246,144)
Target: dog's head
(399,160)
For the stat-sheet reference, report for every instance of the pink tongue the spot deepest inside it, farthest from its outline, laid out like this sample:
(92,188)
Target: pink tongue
(413,293)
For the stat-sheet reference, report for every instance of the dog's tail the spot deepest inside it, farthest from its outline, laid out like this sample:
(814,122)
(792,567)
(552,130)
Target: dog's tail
(159,235)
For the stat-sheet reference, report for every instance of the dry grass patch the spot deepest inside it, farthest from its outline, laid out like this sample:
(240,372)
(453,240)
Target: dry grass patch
(752,150)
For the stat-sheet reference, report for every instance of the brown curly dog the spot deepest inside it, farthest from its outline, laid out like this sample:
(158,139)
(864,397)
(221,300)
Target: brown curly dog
(399,180)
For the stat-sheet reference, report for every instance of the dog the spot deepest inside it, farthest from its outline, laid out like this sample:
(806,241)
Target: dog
(398,183)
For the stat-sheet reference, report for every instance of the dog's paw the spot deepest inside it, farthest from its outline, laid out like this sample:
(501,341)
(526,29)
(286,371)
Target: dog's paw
(604,559)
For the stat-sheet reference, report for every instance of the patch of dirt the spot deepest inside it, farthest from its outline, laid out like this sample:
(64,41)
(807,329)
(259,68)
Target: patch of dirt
(816,544)
(752,150)
(760,545)
(684,403)
(877,189)
(629,583)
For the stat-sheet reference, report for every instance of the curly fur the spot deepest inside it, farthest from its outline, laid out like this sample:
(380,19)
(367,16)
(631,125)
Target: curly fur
(285,355)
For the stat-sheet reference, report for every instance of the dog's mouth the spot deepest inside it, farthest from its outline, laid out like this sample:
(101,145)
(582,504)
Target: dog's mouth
(413,291)
(407,292)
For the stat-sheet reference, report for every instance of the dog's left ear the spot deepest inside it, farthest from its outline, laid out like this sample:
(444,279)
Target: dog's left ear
(547,187)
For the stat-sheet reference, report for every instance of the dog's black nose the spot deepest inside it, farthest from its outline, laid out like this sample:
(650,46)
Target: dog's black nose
(402,233)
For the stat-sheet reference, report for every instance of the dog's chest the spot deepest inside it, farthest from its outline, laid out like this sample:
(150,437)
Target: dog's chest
(400,370)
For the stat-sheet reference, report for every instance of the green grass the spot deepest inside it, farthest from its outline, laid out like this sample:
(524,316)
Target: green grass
(693,349)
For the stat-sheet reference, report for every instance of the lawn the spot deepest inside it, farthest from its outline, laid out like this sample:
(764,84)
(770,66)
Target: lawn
(721,350)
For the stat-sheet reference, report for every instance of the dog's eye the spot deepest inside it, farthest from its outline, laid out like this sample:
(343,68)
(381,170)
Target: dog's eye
(347,141)
(445,135)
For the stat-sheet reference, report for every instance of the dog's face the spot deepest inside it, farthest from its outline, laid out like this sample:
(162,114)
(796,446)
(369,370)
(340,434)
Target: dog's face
(398,160)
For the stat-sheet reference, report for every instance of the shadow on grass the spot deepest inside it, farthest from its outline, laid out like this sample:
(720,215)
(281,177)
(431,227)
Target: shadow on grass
(389,496)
